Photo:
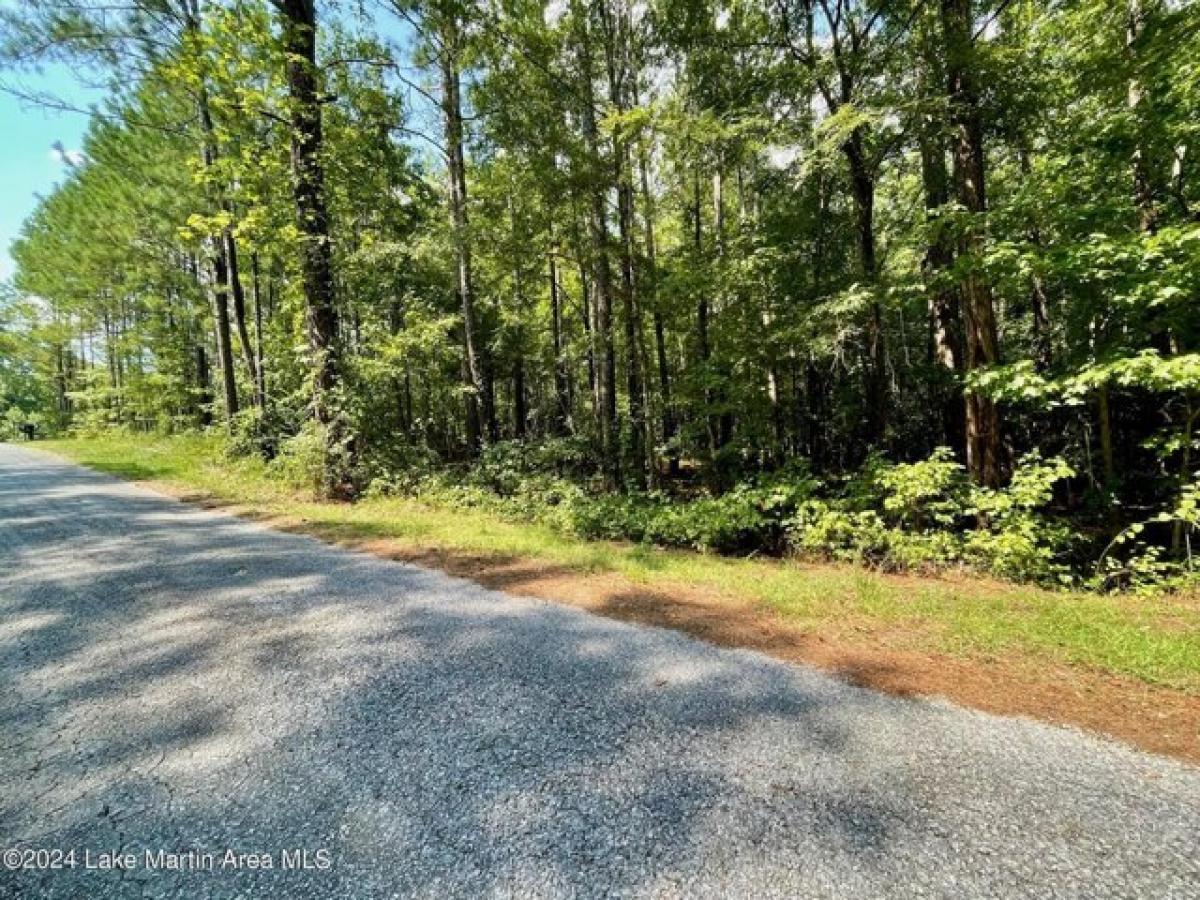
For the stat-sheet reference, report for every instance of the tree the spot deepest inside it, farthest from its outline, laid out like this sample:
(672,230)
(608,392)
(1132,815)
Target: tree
(982,346)
(677,250)
(298,24)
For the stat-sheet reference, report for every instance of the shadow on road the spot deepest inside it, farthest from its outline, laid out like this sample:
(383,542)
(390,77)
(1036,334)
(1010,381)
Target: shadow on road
(180,680)
(184,680)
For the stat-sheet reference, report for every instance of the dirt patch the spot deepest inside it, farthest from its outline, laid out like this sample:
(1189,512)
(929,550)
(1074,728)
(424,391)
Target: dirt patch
(1157,719)
(883,657)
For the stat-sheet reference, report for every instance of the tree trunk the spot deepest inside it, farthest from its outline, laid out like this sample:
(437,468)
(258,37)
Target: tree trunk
(619,75)
(601,273)
(299,31)
(220,304)
(1039,303)
(238,296)
(660,341)
(815,420)
(1143,190)
(862,184)
(979,320)
(477,369)
(1104,422)
(520,408)
(218,275)
(218,270)
(259,351)
(203,388)
(703,346)
(562,374)
(61,402)
(471,424)
(520,403)
(721,392)
(633,368)
(589,337)
(945,307)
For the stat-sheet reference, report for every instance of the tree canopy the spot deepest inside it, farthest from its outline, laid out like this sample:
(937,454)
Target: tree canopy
(673,253)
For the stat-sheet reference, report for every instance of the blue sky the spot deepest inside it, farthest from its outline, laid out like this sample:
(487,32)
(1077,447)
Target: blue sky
(29,166)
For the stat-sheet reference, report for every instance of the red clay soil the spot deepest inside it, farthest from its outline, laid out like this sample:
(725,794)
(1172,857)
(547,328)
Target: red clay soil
(1156,719)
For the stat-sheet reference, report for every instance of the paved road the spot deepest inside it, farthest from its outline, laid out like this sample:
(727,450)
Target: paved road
(173,679)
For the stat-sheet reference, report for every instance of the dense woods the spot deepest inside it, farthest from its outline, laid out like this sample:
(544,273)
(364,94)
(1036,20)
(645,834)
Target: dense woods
(913,282)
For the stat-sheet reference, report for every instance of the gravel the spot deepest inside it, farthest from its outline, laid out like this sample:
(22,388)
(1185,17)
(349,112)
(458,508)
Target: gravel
(174,679)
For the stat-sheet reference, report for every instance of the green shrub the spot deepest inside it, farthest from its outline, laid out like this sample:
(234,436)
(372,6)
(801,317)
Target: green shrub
(932,493)
(299,460)
(733,522)
(400,472)
(829,528)
(1014,538)
(14,418)
(504,465)
(905,516)
(749,518)
(1129,563)
(928,515)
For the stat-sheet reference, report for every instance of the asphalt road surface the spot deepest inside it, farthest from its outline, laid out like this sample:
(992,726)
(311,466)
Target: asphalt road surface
(176,680)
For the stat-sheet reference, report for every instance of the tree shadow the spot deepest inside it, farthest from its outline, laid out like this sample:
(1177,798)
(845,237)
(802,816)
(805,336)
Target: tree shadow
(180,680)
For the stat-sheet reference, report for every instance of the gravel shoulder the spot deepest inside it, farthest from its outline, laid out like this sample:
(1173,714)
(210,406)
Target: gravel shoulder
(177,679)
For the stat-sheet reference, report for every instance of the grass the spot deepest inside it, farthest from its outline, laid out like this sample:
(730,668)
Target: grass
(1154,640)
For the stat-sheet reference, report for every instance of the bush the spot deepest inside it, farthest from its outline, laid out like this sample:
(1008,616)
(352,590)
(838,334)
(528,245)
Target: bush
(921,515)
(1129,563)
(932,493)
(928,515)
(14,418)
(502,466)
(1014,539)
(735,522)
(301,457)
(830,529)
(749,518)
(400,472)
(519,480)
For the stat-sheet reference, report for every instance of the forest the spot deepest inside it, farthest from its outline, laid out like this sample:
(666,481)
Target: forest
(911,283)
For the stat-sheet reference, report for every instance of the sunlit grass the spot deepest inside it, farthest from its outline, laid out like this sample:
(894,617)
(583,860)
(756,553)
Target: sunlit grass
(1156,640)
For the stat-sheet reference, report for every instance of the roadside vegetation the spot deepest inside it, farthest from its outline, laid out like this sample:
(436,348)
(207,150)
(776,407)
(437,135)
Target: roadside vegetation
(1152,639)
